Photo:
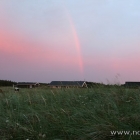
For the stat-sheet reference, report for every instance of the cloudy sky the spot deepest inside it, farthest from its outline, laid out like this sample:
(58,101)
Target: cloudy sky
(92,40)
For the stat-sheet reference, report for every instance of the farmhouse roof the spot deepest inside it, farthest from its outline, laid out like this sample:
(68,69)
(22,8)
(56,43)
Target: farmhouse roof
(67,83)
(132,83)
(27,83)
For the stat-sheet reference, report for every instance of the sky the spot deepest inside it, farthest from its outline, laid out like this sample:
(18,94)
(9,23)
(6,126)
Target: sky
(70,40)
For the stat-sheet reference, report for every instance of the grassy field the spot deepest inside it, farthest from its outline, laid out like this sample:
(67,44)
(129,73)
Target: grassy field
(69,114)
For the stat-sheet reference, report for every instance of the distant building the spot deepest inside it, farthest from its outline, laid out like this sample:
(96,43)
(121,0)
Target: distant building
(26,85)
(68,84)
(132,84)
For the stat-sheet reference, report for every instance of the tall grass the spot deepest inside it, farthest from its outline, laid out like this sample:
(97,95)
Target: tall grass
(69,114)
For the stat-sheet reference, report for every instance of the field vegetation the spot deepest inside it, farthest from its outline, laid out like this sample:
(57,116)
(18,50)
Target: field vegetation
(69,114)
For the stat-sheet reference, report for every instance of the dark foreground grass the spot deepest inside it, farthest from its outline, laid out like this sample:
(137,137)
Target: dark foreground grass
(70,114)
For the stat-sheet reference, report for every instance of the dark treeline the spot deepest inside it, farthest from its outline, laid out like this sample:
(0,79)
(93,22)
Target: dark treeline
(6,83)
(89,84)
(93,84)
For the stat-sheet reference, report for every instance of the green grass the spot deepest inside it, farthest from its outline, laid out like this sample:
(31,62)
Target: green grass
(69,114)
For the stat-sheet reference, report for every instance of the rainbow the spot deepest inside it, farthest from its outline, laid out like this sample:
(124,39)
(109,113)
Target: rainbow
(77,43)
